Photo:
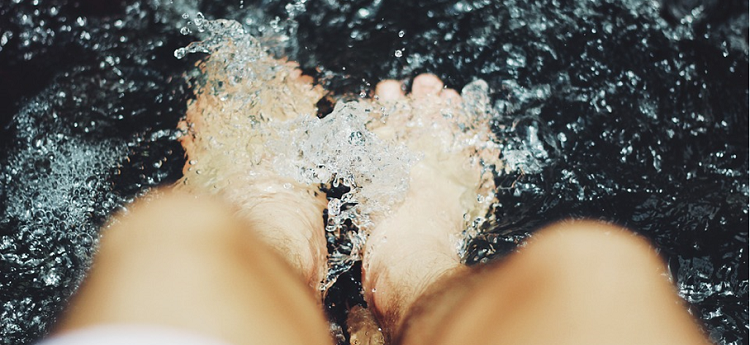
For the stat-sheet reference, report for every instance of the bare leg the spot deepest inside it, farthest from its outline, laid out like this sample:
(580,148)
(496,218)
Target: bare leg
(246,271)
(416,244)
(186,262)
(575,283)
(226,136)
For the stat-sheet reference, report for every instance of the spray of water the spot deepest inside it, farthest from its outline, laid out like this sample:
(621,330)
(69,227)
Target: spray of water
(253,117)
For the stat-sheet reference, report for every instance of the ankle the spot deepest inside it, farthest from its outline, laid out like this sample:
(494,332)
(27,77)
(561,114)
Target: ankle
(414,246)
(289,219)
(400,265)
(393,287)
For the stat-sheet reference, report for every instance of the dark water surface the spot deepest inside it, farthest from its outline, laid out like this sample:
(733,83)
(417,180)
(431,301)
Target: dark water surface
(630,111)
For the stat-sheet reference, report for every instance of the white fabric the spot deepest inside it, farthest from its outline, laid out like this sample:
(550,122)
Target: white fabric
(129,335)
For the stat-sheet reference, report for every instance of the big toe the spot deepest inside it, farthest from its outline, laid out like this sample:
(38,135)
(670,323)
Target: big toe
(389,90)
(425,85)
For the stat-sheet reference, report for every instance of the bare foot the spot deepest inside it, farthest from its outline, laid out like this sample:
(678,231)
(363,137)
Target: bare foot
(415,245)
(226,131)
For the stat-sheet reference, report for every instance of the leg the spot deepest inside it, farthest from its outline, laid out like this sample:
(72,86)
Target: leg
(247,273)
(227,131)
(416,244)
(186,262)
(576,283)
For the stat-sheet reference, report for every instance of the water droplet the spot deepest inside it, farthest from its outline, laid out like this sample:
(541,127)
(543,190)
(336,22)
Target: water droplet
(52,278)
(180,53)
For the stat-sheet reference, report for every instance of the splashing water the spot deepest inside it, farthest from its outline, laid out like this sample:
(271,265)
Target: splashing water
(340,150)
(253,118)
(59,185)
(663,150)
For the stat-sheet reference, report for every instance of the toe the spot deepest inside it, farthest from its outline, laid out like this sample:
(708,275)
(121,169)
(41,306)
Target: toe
(389,90)
(295,73)
(426,84)
(450,96)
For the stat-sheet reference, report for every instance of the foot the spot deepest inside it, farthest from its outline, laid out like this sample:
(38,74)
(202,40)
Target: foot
(416,244)
(226,131)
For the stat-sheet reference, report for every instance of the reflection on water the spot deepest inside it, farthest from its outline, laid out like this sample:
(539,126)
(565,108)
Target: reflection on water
(630,111)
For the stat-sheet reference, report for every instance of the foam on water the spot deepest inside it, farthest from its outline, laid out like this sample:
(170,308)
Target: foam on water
(57,183)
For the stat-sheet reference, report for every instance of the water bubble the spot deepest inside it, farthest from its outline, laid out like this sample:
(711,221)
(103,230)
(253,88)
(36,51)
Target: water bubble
(363,13)
(334,207)
(356,138)
(200,22)
(6,37)
(51,278)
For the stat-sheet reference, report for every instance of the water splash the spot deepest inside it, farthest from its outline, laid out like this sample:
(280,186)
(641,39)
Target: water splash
(687,103)
(252,117)
(58,185)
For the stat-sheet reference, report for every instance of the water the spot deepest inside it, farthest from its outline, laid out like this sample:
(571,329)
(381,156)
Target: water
(251,117)
(629,111)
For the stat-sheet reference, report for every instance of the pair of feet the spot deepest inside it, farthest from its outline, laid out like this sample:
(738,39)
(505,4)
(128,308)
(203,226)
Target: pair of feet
(410,245)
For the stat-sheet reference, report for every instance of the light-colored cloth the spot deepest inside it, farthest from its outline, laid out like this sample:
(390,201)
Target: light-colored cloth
(129,335)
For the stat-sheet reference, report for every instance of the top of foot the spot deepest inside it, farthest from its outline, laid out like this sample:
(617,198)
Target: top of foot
(227,131)
(413,246)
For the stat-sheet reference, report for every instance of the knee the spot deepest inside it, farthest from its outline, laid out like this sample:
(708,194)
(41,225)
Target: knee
(165,219)
(600,252)
(578,239)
